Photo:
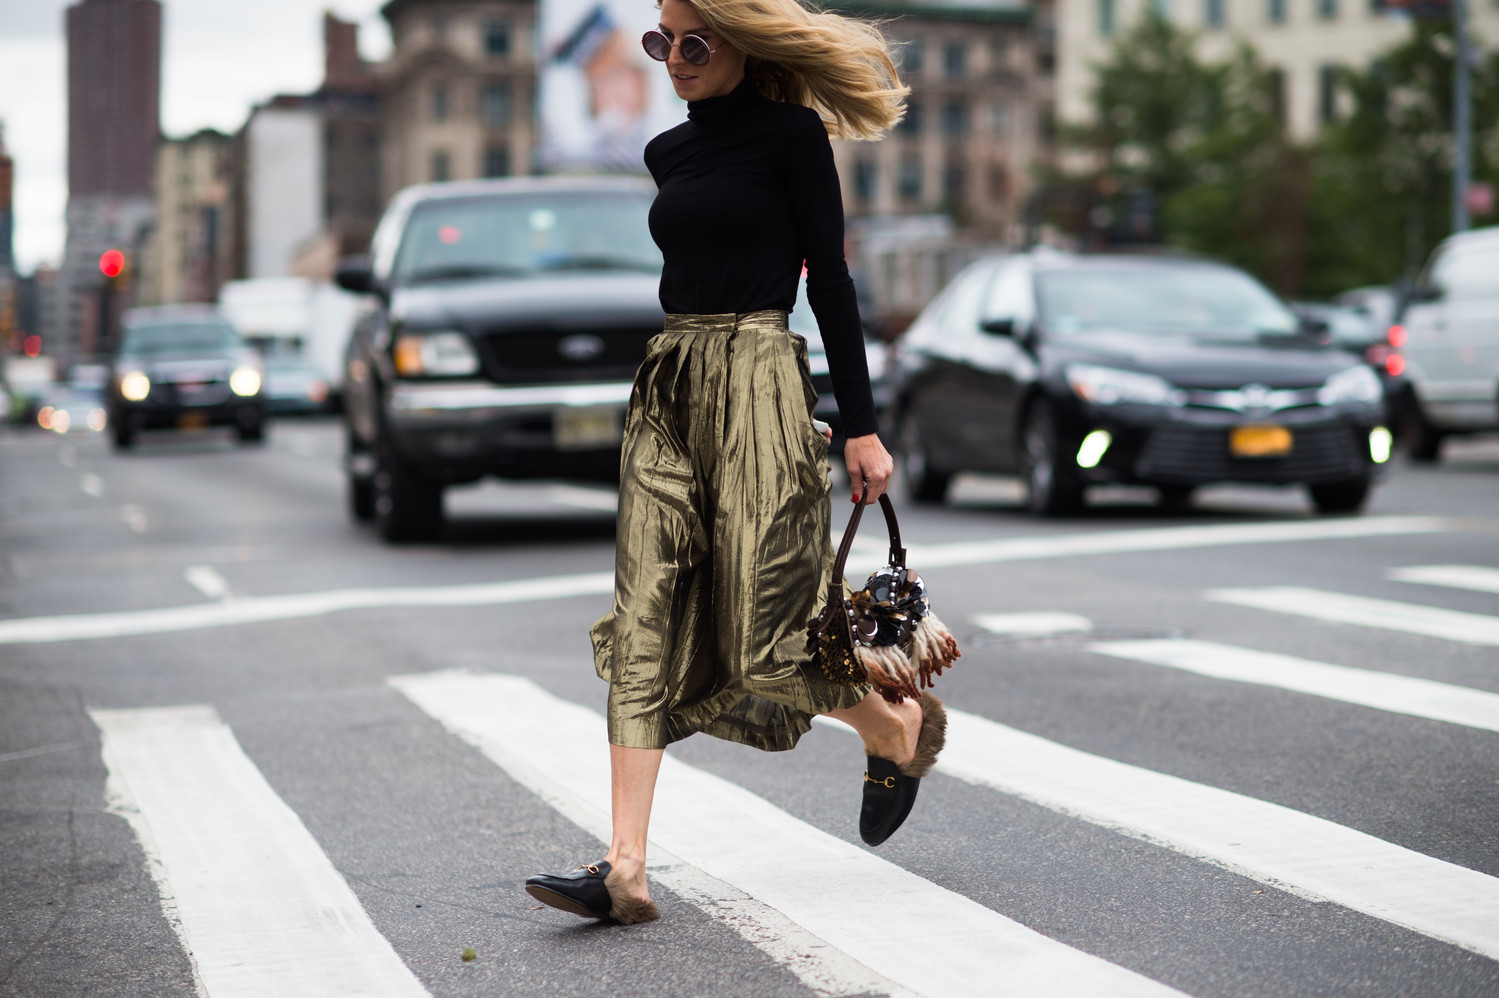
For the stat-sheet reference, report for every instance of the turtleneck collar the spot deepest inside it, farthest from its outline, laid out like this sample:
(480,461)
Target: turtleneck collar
(728,105)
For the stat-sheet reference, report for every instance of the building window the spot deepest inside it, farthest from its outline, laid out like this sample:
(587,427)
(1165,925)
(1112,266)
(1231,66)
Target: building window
(999,52)
(911,57)
(999,118)
(866,175)
(911,123)
(497,37)
(955,60)
(955,119)
(495,104)
(908,181)
(1276,11)
(440,102)
(1212,14)
(1105,17)
(1327,93)
(441,168)
(497,161)
(1275,82)
(1327,10)
(954,181)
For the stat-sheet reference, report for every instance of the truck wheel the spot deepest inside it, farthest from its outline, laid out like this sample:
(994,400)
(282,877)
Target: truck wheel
(924,483)
(1053,485)
(1346,496)
(407,507)
(1423,442)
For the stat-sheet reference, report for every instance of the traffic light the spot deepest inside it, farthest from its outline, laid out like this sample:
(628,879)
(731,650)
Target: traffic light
(111,263)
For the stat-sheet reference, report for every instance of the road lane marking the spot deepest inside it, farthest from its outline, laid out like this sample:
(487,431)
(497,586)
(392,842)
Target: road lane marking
(134,517)
(42,750)
(257,609)
(1478,578)
(1286,849)
(207,581)
(1032,625)
(91,484)
(950,945)
(1365,687)
(248,610)
(574,495)
(259,907)
(1366,611)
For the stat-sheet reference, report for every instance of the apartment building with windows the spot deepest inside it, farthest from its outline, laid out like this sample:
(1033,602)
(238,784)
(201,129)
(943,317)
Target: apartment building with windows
(458,93)
(980,73)
(1305,42)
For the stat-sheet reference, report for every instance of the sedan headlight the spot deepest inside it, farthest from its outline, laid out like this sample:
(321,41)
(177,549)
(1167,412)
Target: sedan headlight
(244,381)
(135,386)
(435,354)
(1357,384)
(1109,386)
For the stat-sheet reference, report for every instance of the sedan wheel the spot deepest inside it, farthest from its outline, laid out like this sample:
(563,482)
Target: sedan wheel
(924,483)
(407,507)
(1423,442)
(1054,487)
(1340,497)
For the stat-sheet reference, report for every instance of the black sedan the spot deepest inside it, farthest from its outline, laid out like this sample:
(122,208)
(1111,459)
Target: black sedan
(184,367)
(1078,370)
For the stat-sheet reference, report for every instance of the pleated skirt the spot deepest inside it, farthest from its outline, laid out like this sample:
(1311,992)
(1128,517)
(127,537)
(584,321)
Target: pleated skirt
(723,549)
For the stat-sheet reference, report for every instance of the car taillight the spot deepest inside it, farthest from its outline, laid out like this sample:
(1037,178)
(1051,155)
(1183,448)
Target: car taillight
(1396,335)
(1394,363)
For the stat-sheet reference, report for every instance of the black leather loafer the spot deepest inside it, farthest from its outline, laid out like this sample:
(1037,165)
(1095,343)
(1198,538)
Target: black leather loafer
(581,892)
(888,796)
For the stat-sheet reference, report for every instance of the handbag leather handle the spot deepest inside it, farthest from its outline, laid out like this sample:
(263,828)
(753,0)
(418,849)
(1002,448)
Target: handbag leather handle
(897,553)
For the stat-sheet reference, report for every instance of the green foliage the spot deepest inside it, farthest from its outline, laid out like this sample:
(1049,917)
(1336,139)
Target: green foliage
(1362,204)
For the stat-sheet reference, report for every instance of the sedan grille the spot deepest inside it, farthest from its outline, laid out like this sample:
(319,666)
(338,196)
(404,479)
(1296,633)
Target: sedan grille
(560,355)
(1186,453)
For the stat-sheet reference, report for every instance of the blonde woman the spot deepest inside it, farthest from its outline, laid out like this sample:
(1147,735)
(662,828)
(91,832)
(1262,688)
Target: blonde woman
(724,515)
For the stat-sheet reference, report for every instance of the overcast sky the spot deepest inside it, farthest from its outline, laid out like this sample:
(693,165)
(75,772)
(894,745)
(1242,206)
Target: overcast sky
(218,58)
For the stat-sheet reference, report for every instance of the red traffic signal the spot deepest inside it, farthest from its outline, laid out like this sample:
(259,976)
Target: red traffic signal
(111,263)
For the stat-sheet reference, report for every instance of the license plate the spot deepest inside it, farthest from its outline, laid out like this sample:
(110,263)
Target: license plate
(1259,441)
(584,429)
(192,420)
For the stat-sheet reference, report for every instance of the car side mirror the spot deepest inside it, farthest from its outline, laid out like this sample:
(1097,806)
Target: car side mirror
(1320,329)
(998,327)
(1425,293)
(355,274)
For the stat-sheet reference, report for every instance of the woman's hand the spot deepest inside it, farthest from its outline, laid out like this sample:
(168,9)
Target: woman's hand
(868,461)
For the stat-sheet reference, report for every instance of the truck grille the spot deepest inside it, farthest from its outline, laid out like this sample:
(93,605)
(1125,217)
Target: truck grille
(561,355)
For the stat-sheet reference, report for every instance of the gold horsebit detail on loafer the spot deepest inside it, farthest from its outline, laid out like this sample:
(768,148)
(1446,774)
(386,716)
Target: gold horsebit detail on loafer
(592,869)
(888,782)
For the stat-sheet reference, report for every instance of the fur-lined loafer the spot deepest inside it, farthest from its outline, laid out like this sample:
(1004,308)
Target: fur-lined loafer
(889,789)
(586,892)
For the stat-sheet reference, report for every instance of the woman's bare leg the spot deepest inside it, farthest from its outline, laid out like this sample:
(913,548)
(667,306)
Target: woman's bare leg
(633,786)
(889,730)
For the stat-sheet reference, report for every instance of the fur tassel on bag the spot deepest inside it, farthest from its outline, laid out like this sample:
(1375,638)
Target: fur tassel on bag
(885,635)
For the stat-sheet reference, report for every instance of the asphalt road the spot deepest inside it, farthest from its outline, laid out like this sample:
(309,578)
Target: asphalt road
(245,748)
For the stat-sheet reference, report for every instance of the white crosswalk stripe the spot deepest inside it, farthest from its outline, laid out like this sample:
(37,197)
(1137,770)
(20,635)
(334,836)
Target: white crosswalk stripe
(1366,687)
(950,944)
(259,907)
(1478,578)
(1366,611)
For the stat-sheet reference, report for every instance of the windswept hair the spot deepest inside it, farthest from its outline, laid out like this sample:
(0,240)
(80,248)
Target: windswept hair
(838,66)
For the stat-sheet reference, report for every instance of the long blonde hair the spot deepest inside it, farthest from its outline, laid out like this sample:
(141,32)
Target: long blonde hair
(838,66)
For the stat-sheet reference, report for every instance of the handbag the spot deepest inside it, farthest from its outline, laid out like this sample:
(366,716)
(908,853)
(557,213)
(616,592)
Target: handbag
(884,635)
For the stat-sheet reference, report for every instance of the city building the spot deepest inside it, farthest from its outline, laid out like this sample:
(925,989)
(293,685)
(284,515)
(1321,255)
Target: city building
(458,94)
(114,94)
(1305,42)
(7,216)
(182,260)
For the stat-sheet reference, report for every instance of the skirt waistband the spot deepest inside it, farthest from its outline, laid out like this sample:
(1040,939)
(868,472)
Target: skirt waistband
(770,320)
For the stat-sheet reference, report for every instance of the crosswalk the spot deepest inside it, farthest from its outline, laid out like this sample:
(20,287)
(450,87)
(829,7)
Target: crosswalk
(262,910)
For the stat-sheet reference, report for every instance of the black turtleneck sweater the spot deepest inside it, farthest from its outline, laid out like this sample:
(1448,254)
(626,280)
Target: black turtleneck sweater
(748,192)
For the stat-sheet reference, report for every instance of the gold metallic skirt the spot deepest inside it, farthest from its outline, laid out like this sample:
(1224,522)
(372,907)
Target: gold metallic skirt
(723,541)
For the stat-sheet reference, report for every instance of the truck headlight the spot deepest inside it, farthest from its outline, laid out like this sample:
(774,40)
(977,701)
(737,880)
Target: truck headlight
(135,386)
(435,354)
(244,381)
(1109,386)
(1357,384)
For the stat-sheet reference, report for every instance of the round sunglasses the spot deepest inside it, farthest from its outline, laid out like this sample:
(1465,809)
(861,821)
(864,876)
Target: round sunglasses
(658,47)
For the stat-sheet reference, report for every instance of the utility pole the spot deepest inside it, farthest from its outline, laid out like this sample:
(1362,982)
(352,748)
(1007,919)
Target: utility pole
(1462,116)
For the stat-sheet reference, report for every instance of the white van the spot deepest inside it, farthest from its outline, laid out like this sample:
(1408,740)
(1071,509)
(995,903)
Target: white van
(1452,343)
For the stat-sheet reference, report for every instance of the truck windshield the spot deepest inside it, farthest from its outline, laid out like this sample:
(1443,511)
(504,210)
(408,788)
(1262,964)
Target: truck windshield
(517,236)
(1185,301)
(180,337)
